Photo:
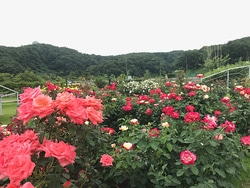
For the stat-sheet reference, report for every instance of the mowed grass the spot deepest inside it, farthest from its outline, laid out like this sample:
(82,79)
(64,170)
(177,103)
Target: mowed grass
(8,111)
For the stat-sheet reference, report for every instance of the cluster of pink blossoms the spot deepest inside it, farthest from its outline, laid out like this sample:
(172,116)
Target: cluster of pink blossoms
(16,151)
(36,104)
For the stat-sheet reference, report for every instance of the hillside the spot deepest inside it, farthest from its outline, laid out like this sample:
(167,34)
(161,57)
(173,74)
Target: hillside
(45,59)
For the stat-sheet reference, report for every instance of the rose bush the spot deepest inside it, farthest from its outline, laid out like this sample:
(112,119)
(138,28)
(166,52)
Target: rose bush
(190,117)
(172,135)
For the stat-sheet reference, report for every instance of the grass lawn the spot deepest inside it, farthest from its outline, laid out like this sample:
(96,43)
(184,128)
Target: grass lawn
(8,110)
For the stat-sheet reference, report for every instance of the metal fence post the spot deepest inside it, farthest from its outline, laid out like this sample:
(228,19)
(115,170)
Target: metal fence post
(228,78)
(249,72)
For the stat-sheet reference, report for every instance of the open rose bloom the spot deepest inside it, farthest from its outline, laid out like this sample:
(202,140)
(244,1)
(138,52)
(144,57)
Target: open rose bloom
(187,157)
(106,160)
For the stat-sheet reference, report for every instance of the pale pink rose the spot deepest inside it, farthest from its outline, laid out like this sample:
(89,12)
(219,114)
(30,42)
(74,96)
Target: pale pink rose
(64,152)
(43,105)
(60,120)
(106,160)
(165,124)
(219,137)
(29,94)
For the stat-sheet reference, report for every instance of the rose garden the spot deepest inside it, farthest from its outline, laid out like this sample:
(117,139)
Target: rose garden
(148,134)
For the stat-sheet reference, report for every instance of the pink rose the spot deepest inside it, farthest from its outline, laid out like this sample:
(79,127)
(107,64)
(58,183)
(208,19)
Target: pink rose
(94,116)
(20,168)
(29,94)
(25,113)
(245,140)
(43,105)
(228,126)
(187,157)
(76,112)
(106,160)
(64,152)
(27,185)
(218,137)
(92,102)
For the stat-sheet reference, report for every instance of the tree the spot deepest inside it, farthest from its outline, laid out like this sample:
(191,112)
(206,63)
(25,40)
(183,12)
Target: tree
(215,58)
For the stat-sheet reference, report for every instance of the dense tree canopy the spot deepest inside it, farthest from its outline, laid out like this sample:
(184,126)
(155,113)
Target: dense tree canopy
(47,60)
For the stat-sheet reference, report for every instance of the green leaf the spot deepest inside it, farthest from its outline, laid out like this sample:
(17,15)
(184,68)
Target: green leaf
(221,173)
(179,173)
(164,166)
(210,181)
(230,170)
(41,137)
(119,164)
(154,146)
(195,170)
(170,147)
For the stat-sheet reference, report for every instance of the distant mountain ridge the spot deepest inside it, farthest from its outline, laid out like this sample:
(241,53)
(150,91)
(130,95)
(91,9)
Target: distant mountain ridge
(46,59)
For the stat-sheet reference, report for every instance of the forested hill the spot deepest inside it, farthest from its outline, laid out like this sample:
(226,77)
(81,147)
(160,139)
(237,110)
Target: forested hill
(45,59)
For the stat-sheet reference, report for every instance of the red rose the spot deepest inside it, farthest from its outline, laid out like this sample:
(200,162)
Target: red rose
(108,130)
(154,132)
(199,75)
(149,111)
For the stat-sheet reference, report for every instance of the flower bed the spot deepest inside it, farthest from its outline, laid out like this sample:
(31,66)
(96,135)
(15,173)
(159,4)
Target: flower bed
(174,136)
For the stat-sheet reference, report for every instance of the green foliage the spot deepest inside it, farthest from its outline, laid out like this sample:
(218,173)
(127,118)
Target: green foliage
(44,60)
(215,62)
(157,139)
(158,157)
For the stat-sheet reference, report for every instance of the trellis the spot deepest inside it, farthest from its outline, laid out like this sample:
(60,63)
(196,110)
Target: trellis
(228,74)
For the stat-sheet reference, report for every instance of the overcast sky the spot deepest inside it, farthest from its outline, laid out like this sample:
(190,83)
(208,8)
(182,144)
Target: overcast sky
(113,27)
